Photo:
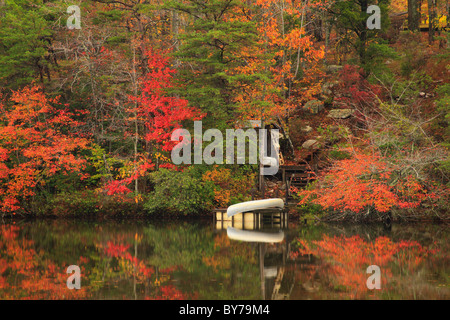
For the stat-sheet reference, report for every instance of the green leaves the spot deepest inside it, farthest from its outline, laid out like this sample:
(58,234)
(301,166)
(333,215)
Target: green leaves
(210,48)
(352,16)
(179,192)
(25,35)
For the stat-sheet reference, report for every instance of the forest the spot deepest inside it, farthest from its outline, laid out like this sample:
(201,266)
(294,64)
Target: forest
(91,92)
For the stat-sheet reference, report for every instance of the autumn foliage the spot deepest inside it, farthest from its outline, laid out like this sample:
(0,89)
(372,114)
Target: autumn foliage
(139,270)
(364,181)
(347,258)
(35,144)
(228,186)
(139,70)
(158,113)
(283,51)
(26,273)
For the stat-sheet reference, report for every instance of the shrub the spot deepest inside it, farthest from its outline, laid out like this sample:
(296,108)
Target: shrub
(86,203)
(230,186)
(179,192)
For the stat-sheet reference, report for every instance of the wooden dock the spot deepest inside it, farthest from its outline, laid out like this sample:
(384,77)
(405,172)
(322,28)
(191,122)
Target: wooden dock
(251,220)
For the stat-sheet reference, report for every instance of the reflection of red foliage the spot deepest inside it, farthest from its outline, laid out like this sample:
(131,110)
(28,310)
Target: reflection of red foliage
(348,257)
(120,251)
(27,274)
(114,250)
(144,272)
(168,292)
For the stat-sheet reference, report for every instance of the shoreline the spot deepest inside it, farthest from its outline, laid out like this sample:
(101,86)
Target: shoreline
(293,217)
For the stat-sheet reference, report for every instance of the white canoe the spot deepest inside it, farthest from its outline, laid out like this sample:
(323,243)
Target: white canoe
(255,205)
(254,236)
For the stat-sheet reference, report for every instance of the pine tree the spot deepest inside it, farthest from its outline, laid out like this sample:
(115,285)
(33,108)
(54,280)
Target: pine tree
(413,15)
(210,49)
(351,16)
(25,39)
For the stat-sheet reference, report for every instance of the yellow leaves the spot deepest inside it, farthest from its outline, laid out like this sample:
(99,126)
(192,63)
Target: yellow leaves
(138,198)
(162,157)
(126,170)
(227,185)
(294,39)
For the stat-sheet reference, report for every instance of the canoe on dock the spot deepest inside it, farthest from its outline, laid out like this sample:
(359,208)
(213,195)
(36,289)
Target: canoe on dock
(256,205)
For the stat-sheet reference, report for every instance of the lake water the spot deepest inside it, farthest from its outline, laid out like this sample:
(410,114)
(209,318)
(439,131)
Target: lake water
(183,260)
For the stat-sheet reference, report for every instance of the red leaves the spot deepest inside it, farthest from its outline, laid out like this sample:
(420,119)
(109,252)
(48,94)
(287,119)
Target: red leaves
(347,258)
(33,147)
(364,181)
(357,90)
(160,112)
(119,186)
(28,274)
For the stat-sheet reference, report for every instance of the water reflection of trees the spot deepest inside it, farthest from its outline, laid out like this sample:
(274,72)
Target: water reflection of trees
(125,261)
(26,273)
(139,260)
(412,259)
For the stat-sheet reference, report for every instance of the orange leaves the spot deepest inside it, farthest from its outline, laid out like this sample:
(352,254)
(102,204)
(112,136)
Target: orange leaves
(283,52)
(33,147)
(347,258)
(27,274)
(221,179)
(364,181)
(227,185)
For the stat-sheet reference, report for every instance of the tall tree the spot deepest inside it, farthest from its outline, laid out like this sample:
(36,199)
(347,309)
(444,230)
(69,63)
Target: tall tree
(37,141)
(290,58)
(25,42)
(351,16)
(413,15)
(432,17)
(210,49)
(153,115)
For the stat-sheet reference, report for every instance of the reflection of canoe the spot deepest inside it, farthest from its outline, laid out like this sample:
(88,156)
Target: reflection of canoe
(270,272)
(254,236)
(255,206)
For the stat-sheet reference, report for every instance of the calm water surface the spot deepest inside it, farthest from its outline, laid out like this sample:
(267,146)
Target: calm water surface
(144,260)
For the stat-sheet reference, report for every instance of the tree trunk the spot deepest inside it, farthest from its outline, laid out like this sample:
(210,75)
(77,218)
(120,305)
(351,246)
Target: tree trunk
(136,127)
(413,15)
(363,34)
(431,20)
(175,29)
